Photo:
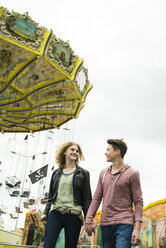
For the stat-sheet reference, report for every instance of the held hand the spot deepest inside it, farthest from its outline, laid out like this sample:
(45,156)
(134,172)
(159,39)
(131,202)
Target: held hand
(89,228)
(43,217)
(135,238)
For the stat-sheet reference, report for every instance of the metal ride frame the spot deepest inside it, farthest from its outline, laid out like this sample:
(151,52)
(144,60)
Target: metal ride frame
(5,245)
(88,246)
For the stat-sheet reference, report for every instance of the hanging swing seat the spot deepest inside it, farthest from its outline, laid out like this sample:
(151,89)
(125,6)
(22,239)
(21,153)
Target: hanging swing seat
(44,199)
(12,182)
(32,201)
(26,204)
(18,210)
(17,184)
(3,209)
(14,193)
(13,216)
(25,193)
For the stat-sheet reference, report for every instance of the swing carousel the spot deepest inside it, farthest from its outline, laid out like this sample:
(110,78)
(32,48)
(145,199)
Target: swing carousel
(43,84)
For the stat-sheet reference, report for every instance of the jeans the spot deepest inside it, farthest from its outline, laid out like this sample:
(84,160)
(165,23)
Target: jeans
(117,236)
(55,222)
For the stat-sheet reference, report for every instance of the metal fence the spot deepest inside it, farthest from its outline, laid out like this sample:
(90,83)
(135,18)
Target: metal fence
(88,246)
(5,245)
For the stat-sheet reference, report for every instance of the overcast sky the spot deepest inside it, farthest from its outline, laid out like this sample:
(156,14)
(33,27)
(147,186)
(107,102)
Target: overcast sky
(123,44)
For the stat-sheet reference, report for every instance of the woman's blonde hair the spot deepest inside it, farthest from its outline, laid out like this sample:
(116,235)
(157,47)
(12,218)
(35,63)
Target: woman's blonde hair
(60,156)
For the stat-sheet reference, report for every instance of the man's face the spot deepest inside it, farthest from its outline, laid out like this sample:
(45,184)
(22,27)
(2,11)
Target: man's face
(111,154)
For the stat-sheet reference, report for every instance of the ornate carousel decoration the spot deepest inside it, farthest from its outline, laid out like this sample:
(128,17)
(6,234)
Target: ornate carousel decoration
(43,84)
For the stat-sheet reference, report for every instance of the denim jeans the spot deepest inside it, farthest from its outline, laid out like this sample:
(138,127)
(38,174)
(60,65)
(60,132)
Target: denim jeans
(117,236)
(55,222)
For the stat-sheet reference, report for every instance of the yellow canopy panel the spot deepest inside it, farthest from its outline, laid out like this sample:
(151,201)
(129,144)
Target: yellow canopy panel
(43,84)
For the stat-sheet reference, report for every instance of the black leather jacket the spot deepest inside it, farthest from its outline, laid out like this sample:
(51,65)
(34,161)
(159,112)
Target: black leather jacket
(81,189)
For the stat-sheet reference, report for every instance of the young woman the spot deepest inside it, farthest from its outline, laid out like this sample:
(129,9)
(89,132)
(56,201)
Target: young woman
(69,195)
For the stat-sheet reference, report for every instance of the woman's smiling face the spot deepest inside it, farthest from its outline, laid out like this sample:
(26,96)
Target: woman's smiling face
(72,152)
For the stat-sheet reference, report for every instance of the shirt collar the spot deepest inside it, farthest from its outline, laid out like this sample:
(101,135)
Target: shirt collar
(117,172)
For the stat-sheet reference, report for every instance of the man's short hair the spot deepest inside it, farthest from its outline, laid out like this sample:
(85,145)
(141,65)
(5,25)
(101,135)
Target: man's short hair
(118,144)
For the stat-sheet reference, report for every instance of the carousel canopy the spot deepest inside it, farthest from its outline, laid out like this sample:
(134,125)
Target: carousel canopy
(43,84)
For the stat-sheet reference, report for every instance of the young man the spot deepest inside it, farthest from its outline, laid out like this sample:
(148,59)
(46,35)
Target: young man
(119,189)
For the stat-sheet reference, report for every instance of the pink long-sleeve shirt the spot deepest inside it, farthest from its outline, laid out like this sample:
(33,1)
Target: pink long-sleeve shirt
(118,192)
